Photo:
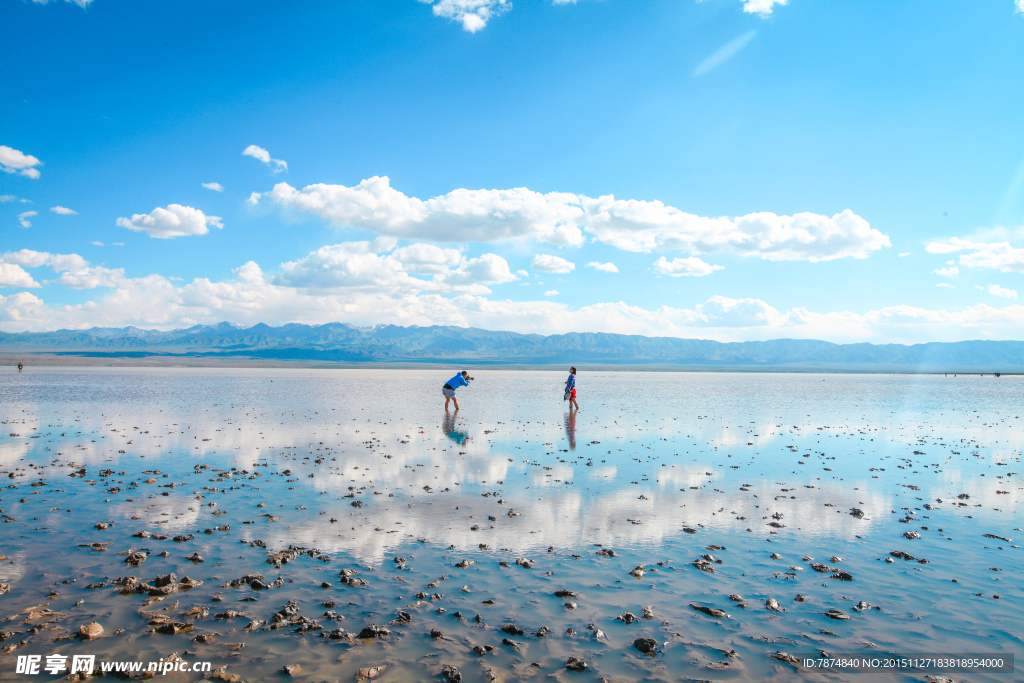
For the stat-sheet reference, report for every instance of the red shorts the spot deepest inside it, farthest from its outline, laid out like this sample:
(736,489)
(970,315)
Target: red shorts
(573,395)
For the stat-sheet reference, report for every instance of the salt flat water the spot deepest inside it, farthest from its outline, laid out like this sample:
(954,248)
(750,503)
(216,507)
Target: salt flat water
(667,491)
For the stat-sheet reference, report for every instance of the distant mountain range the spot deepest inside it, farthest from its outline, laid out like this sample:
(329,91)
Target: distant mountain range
(390,344)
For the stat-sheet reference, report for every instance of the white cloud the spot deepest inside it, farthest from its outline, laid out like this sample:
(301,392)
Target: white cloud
(263,155)
(459,216)
(96,243)
(996,290)
(946,285)
(13,161)
(63,211)
(1000,256)
(547,263)
(74,271)
(1019,4)
(679,267)
(605,267)
(427,258)
(762,7)
(5,198)
(723,54)
(905,253)
(474,273)
(81,3)
(952,271)
(551,292)
(174,221)
(13,275)
(23,218)
(216,187)
(35,259)
(559,218)
(472,14)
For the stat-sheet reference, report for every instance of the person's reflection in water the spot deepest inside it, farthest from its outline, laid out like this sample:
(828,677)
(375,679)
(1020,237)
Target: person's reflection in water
(570,428)
(451,429)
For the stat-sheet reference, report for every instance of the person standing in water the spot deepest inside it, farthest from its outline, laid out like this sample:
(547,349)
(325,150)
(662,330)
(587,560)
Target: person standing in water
(20,366)
(570,389)
(460,380)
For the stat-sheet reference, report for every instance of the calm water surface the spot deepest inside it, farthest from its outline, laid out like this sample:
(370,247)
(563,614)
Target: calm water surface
(759,472)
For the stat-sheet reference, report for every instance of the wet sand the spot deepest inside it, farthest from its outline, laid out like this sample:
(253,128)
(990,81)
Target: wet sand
(692,527)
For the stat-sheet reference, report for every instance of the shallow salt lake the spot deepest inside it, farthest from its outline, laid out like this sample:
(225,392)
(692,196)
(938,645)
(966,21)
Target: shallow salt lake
(760,472)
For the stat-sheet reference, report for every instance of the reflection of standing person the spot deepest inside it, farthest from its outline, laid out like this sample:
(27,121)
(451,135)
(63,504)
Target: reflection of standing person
(570,389)
(460,380)
(451,429)
(570,428)
(20,366)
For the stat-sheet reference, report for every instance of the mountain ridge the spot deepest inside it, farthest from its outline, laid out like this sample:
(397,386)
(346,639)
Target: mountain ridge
(338,342)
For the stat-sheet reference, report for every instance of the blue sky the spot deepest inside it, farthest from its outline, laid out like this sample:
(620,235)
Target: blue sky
(727,169)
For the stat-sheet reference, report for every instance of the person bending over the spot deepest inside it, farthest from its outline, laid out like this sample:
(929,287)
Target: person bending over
(460,380)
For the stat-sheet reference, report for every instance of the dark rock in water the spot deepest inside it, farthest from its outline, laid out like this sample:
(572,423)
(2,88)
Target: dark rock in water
(566,594)
(605,552)
(173,628)
(842,576)
(799,598)
(513,630)
(195,558)
(857,512)
(911,535)
(165,580)
(509,643)
(999,538)
(402,618)
(689,530)
(899,554)
(481,650)
(291,669)
(710,611)
(823,568)
(135,559)
(575,664)
(786,657)
(182,539)
(773,605)
(627,617)
(452,673)
(375,631)
(736,597)
(436,634)
(646,645)
(861,606)
(836,614)
(541,632)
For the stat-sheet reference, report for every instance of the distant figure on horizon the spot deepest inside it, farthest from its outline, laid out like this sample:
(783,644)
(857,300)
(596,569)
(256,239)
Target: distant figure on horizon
(460,380)
(570,390)
(20,366)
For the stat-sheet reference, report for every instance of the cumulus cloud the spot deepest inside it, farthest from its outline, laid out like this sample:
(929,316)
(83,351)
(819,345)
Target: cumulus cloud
(459,216)
(73,270)
(952,271)
(63,211)
(472,14)
(23,218)
(604,267)
(216,187)
(551,292)
(905,253)
(5,198)
(263,155)
(560,218)
(996,290)
(427,258)
(679,267)
(14,161)
(348,265)
(474,274)
(1000,256)
(762,7)
(1019,4)
(174,221)
(547,263)
(13,275)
